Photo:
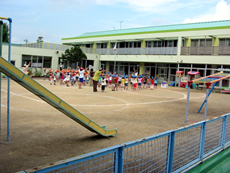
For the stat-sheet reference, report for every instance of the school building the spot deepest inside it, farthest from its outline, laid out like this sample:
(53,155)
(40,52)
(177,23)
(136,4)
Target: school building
(155,50)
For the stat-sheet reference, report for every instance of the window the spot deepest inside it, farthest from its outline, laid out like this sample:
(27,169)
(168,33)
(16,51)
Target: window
(47,62)
(149,44)
(194,43)
(26,58)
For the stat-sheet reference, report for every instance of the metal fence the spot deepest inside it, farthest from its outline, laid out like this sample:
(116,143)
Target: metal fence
(171,151)
(207,50)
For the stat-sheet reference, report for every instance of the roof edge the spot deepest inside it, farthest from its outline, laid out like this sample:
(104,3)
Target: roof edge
(149,32)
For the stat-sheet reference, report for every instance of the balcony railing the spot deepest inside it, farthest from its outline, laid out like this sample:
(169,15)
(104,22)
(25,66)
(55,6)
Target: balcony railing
(134,51)
(208,50)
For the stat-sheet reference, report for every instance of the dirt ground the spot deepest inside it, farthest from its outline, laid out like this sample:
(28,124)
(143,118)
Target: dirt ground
(40,134)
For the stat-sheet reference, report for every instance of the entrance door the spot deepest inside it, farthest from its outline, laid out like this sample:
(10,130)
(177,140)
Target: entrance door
(162,72)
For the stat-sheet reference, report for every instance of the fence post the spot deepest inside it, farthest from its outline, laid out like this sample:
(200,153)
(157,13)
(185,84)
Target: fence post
(202,141)
(224,126)
(119,160)
(170,152)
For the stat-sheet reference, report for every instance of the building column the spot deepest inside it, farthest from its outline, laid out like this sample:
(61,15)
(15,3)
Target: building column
(96,63)
(108,45)
(215,44)
(54,61)
(107,66)
(94,47)
(142,68)
(143,45)
(179,44)
(188,45)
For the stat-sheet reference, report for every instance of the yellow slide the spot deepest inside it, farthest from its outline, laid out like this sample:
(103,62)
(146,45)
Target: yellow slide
(37,89)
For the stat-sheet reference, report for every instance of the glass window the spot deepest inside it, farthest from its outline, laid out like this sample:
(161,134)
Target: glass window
(175,43)
(222,42)
(149,44)
(39,59)
(208,42)
(202,43)
(26,58)
(198,65)
(47,62)
(170,43)
(159,44)
(34,59)
(173,65)
(194,43)
(155,44)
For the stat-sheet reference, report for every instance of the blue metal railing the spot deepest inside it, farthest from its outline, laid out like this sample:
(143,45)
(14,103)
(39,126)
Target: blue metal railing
(171,151)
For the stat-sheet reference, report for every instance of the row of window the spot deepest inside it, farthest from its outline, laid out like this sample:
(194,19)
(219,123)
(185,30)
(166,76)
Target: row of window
(162,43)
(37,61)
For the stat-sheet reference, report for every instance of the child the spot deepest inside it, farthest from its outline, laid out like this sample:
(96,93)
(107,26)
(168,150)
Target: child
(55,78)
(110,80)
(44,73)
(152,83)
(61,77)
(51,77)
(116,82)
(99,82)
(119,81)
(139,82)
(73,79)
(155,82)
(67,79)
(123,82)
(144,82)
(149,82)
(103,84)
(126,82)
(134,83)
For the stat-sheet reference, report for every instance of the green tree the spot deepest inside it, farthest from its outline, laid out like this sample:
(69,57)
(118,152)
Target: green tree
(73,55)
(39,40)
(5,33)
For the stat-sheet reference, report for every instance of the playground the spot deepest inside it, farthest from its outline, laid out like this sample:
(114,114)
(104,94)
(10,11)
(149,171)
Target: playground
(40,134)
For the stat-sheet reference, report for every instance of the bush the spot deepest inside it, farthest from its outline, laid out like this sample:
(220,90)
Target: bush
(38,72)
(30,72)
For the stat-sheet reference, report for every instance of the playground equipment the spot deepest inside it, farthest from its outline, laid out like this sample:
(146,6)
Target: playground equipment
(192,75)
(24,80)
(208,81)
(179,75)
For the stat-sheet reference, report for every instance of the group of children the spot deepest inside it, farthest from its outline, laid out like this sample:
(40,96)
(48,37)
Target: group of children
(82,77)
(123,82)
(68,77)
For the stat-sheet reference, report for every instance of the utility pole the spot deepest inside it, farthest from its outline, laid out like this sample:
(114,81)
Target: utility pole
(120,24)
(26,41)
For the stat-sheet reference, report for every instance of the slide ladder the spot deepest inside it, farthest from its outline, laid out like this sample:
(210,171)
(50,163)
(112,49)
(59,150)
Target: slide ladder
(40,91)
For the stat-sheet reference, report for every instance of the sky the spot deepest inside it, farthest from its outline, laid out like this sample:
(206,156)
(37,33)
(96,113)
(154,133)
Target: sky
(57,19)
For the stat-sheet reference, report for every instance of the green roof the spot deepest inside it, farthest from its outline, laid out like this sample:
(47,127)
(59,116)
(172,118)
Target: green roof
(162,28)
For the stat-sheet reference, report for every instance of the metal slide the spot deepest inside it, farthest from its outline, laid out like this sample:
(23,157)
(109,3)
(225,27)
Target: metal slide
(37,89)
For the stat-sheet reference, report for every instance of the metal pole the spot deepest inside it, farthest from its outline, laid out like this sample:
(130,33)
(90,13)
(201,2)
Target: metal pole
(1,36)
(206,105)
(208,96)
(115,62)
(8,90)
(186,116)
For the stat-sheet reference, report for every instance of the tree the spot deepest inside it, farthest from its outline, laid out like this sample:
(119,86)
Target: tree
(39,40)
(5,33)
(73,55)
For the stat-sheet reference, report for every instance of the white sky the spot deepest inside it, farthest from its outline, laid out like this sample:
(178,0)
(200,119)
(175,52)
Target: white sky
(57,19)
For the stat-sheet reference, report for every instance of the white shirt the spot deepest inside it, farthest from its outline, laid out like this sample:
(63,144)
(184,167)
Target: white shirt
(81,73)
(103,82)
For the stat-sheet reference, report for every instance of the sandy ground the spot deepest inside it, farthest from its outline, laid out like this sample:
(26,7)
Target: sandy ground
(40,134)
